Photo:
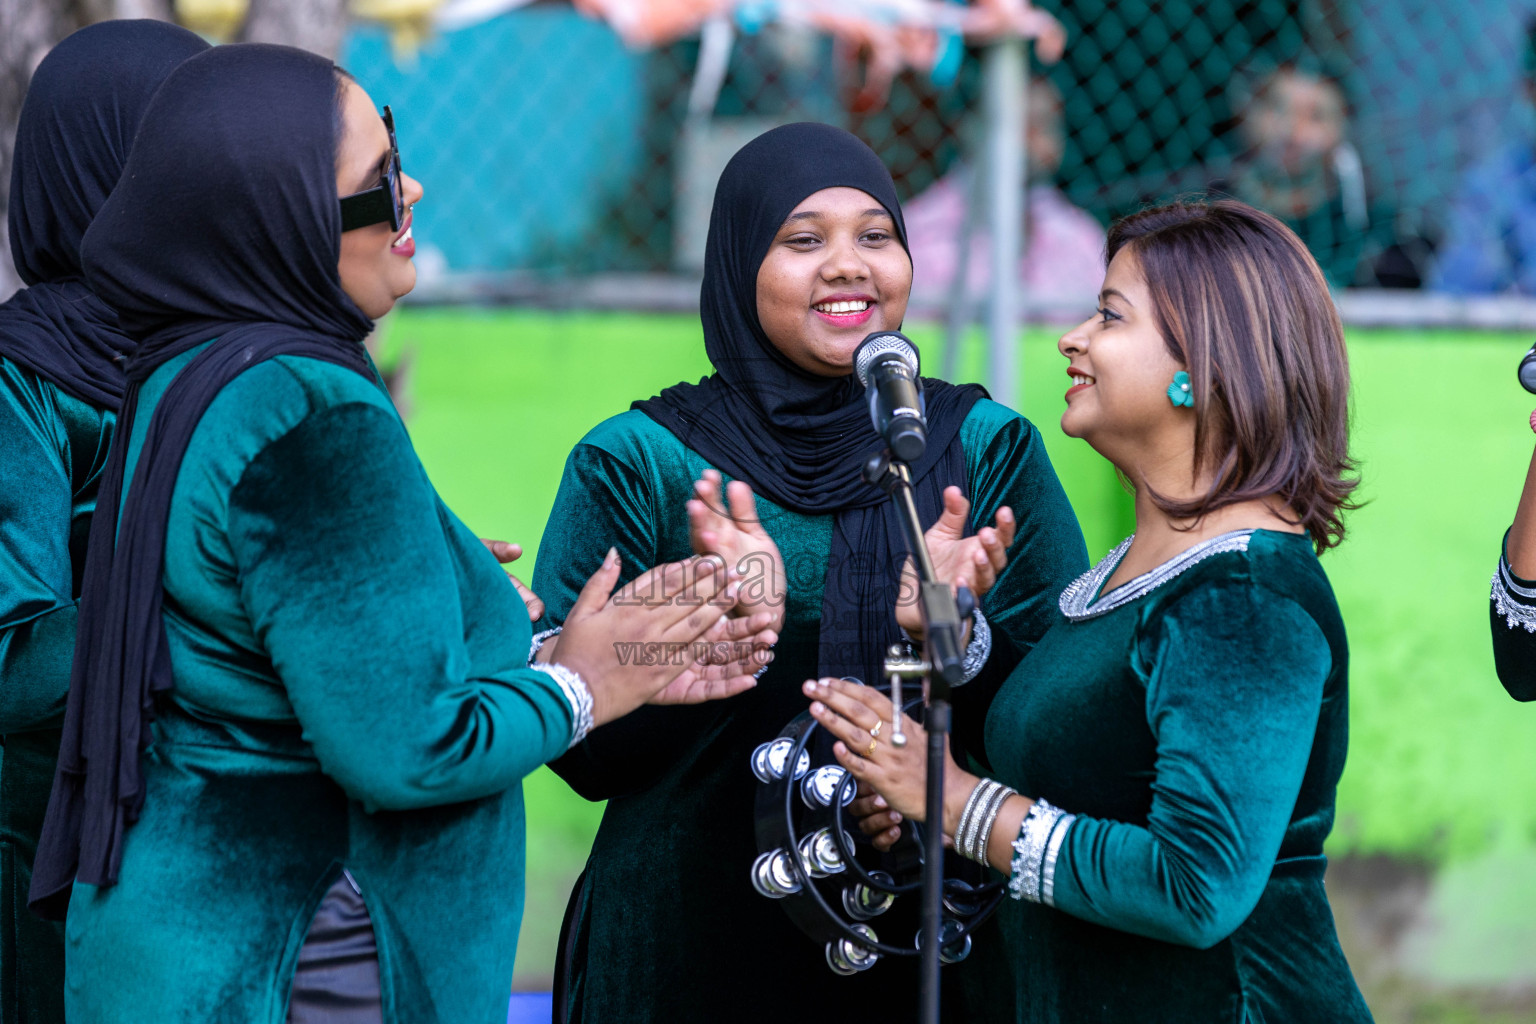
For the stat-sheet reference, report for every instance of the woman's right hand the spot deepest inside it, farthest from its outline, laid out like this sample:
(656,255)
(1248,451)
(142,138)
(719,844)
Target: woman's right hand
(632,646)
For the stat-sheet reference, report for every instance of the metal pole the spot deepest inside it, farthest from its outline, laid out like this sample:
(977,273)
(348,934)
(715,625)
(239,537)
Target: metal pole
(941,621)
(1003,78)
(959,313)
(937,722)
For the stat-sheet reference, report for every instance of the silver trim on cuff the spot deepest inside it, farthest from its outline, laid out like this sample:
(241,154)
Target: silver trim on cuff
(759,673)
(979,649)
(539,640)
(1052,852)
(1509,599)
(976,652)
(577,694)
(1035,852)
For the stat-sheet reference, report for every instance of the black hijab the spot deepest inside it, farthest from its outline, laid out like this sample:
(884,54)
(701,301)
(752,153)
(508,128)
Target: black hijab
(799,438)
(82,108)
(226,225)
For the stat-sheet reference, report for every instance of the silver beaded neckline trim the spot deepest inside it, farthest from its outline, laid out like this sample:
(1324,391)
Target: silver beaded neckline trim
(1077,601)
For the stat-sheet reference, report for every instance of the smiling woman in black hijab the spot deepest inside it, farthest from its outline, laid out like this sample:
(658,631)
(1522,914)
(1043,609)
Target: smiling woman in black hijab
(806,255)
(61,381)
(300,682)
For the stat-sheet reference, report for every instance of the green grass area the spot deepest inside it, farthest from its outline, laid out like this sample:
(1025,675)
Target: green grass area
(1442,766)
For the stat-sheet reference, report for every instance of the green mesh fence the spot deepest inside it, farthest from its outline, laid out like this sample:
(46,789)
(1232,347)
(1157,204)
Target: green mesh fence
(550,149)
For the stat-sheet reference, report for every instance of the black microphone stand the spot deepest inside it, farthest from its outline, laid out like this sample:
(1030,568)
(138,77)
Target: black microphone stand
(943,668)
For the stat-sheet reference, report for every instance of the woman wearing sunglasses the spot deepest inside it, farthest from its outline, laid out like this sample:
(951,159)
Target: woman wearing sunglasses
(302,703)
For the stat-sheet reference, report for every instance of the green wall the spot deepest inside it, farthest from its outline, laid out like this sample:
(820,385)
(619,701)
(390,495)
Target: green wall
(1442,763)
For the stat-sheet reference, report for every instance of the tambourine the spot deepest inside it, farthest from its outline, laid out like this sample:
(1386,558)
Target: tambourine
(833,883)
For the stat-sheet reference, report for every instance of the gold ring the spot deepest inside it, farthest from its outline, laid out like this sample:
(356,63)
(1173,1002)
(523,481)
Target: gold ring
(871,751)
(874,733)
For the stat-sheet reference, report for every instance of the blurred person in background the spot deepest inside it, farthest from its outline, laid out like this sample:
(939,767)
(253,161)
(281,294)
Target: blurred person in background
(806,256)
(1164,764)
(1298,163)
(1064,245)
(304,697)
(1490,241)
(61,385)
(889,35)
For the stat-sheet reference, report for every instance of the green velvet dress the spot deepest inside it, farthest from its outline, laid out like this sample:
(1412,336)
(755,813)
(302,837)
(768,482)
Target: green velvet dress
(1195,722)
(53,448)
(666,925)
(1512,614)
(351,690)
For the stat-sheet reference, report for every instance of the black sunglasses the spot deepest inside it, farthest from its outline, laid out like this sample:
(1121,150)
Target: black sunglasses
(386,200)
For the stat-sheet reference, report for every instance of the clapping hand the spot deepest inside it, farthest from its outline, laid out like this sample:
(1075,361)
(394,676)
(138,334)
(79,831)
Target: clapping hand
(973,562)
(662,638)
(733,532)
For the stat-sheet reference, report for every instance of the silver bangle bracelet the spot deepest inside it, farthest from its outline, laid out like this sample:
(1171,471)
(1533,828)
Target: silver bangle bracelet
(967,847)
(978,817)
(965,835)
(989,821)
(967,814)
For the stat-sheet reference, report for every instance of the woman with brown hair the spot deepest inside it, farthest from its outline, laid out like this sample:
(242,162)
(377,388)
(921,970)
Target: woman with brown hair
(1166,758)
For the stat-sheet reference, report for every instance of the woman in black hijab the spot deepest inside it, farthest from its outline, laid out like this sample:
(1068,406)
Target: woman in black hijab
(806,255)
(300,682)
(61,381)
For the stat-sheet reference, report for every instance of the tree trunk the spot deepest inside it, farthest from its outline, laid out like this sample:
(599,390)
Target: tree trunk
(28,30)
(315,25)
(159,10)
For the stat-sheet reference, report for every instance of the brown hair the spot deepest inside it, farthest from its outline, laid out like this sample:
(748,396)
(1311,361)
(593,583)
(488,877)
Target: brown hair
(1241,302)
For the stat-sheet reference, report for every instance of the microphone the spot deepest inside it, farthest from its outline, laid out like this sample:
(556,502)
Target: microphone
(1527,371)
(886,364)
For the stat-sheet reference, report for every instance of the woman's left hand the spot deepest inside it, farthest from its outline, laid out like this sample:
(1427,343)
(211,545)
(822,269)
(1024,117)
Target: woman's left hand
(973,562)
(723,521)
(505,553)
(860,718)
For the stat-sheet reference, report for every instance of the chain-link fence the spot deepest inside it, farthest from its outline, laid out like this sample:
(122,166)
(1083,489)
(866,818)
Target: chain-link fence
(563,164)
(1395,136)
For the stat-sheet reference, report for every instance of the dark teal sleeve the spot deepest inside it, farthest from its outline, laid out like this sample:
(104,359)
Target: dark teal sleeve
(351,586)
(1007,464)
(37,608)
(1512,619)
(1234,678)
(603,503)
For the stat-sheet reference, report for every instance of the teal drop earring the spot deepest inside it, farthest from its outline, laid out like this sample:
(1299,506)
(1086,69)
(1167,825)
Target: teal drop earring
(1179,393)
